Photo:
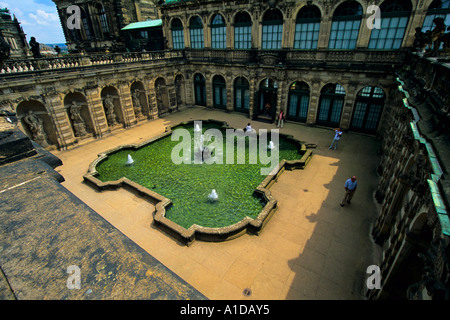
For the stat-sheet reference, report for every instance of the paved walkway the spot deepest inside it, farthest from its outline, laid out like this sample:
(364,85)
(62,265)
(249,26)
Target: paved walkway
(311,248)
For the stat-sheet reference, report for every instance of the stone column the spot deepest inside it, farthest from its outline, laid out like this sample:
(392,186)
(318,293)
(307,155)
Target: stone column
(350,95)
(152,103)
(172,93)
(126,104)
(314,100)
(280,99)
(209,91)
(96,111)
(230,92)
(252,89)
(61,123)
(146,107)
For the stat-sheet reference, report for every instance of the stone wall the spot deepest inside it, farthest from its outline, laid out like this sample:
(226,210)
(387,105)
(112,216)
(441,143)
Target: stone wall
(413,226)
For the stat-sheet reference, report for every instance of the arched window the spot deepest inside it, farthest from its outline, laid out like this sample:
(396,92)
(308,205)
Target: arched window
(298,101)
(220,92)
(368,106)
(200,90)
(218,32)
(394,19)
(196,33)
(345,26)
(307,27)
(102,19)
(332,98)
(438,8)
(177,34)
(241,95)
(242,31)
(272,30)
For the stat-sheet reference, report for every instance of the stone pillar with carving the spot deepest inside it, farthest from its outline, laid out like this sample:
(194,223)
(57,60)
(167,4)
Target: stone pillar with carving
(350,95)
(152,103)
(281,99)
(60,120)
(126,104)
(230,92)
(172,93)
(252,91)
(146,105)
(96,111)
(314,100)
(209,91)
(189,85)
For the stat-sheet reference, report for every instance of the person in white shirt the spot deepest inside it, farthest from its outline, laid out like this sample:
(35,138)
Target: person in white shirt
(248,128)
(337,137)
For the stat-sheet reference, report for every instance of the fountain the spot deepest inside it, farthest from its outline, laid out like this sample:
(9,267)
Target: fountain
(271,145)
(203,151)
(186,207)
(213,196)
(197,128)
(129,160)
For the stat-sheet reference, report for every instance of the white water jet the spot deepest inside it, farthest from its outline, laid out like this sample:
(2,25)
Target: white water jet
(129,160)
(213,196)
(197,128)
(271,145)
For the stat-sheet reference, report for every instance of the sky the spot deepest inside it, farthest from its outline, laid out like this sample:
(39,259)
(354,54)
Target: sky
(38,19)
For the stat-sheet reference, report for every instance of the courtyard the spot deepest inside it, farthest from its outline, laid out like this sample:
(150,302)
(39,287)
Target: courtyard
(312,248)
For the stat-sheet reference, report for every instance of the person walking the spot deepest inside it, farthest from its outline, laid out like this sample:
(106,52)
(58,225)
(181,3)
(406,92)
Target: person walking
(337,137)
(350,188)
(281,118)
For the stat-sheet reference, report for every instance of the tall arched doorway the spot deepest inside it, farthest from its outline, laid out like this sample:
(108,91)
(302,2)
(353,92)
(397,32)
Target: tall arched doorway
(367,111)
(331,103)
(298,102)
(266,103)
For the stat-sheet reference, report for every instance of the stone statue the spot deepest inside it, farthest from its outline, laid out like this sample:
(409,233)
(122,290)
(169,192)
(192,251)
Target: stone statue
(435,35)
(137,103)
(35,48)
(445,38)
(78,122)
(421,40)
(110,114)
(5,51)
(36,125)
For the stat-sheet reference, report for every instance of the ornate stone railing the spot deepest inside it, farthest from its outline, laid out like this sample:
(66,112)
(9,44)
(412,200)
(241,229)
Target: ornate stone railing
(297,57)
(74,61)
(264,57)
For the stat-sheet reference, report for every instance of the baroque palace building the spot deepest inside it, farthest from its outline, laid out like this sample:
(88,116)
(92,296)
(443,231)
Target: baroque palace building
(325,63)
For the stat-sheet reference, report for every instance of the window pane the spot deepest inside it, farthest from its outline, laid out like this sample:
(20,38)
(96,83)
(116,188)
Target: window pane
(324,108)
(304,101)
(292,109)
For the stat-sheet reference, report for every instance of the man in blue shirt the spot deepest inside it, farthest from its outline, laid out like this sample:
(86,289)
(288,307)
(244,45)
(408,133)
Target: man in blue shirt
(337,137)
(350,188)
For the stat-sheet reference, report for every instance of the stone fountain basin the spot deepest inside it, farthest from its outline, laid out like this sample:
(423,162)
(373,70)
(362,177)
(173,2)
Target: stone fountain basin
(197,232)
